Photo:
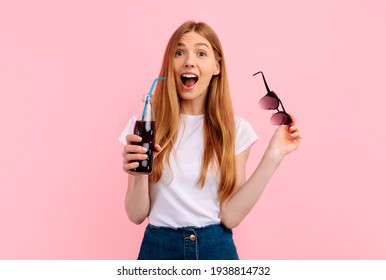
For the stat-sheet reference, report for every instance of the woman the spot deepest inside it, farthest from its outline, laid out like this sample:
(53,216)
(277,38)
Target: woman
(198,190)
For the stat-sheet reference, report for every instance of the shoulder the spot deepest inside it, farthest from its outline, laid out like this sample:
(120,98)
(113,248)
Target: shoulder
(242,124)
(245,134)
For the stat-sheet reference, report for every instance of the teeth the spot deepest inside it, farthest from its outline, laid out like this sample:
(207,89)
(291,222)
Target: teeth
(189,76)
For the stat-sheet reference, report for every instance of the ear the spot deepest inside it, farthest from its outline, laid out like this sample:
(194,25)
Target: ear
(217,69)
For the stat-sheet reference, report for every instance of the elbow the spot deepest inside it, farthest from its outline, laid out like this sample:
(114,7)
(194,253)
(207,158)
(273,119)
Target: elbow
(136,220)
(135,217)
(230,221)
(230,224)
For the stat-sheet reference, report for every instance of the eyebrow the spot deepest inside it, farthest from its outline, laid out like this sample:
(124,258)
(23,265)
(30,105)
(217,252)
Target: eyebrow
(197,44)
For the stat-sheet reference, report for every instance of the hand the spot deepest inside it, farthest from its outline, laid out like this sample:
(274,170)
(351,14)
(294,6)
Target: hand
(286,139)
(132,152)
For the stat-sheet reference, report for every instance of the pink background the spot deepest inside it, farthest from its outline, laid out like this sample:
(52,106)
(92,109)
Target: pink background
(73,72)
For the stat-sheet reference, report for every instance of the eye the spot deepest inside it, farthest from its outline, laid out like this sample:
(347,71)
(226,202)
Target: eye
(179,53)
(201,54)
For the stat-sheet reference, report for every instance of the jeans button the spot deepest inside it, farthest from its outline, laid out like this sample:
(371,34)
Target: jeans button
(192,237)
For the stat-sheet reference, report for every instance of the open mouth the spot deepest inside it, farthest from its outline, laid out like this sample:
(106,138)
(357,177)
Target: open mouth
(189,80)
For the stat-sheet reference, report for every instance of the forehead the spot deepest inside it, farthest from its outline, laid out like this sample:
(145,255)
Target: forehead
(193,39)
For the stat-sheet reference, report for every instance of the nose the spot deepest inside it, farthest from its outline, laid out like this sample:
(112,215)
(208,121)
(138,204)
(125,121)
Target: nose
(189,62)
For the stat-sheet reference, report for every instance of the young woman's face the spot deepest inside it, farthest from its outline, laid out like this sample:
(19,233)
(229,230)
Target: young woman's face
(194,66)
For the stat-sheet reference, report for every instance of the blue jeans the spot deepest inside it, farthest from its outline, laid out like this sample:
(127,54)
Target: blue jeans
(213,242)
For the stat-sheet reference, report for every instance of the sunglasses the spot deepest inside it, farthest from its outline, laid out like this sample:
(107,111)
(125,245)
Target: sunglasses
(271,102)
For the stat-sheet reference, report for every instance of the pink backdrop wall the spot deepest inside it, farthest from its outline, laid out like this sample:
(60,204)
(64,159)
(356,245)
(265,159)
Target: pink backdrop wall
(73,72)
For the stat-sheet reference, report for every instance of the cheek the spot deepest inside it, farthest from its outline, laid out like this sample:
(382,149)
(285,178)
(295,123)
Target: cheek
(205,81)
(175,68)
(177,81)
(209,72)
(175,65)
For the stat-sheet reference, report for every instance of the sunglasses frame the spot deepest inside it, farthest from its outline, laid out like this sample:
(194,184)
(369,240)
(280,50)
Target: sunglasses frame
(272,94)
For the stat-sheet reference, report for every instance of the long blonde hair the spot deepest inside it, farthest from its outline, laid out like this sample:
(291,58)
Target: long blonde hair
(219,126)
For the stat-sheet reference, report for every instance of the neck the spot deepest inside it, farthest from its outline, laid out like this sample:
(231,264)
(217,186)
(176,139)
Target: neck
(191,108)
(194,106)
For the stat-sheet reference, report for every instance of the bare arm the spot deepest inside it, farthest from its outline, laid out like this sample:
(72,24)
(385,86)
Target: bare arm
(137,200)
(285,140)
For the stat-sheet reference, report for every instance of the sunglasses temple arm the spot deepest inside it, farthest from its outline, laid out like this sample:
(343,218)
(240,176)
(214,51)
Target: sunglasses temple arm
(265,82)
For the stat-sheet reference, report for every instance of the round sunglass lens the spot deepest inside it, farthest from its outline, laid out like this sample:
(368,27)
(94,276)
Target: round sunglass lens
(269,103)
(281,118)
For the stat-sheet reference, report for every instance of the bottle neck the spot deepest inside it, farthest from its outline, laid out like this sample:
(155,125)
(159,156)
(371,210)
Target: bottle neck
(147,112)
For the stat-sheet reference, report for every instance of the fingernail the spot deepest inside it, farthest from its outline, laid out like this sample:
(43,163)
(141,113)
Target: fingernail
(144,149)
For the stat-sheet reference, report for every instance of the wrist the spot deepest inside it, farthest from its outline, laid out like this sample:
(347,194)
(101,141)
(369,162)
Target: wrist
(273,154)
(138,174)
(140,177)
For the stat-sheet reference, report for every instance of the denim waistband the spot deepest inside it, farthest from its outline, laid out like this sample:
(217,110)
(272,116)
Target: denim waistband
(211,226)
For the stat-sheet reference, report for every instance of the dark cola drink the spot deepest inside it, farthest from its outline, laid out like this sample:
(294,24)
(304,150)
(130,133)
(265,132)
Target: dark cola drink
(145,129)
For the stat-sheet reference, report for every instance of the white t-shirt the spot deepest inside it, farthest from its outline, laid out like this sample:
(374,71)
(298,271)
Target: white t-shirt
(177,200)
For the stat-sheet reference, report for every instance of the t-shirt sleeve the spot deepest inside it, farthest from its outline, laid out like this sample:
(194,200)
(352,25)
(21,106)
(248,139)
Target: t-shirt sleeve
(129,128)
(245,135)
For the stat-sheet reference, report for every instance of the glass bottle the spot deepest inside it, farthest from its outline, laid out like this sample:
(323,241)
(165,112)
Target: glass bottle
(145,127)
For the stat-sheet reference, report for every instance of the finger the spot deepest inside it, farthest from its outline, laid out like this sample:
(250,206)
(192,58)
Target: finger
(130,138)
(157,148)
(128,166)
(293,120)
(293,129)
(134,149)
(295,134)
(131,157)
(296,137)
